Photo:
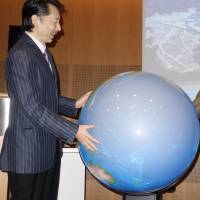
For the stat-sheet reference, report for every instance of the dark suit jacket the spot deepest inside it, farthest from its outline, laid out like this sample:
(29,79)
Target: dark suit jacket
(35,128)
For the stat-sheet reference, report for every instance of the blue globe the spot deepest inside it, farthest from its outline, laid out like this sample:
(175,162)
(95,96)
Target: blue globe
(148,131)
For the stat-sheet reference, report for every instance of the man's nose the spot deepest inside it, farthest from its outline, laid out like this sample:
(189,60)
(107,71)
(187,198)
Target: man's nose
(58,28)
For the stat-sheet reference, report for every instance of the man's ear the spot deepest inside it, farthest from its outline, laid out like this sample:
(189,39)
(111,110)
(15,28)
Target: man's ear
(34,19)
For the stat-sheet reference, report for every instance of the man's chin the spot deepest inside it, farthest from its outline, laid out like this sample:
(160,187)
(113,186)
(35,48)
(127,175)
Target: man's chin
(49,41)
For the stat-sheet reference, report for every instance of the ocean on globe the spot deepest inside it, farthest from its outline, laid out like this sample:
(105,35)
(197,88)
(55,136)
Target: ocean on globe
(148,131)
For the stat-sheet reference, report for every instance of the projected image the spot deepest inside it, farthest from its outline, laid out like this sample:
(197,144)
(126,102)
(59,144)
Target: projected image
(171,39)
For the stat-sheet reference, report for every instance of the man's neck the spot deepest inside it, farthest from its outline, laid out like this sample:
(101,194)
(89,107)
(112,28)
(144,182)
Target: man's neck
(33,34)
(39,43)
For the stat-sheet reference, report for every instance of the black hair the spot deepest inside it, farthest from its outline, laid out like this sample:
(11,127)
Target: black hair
(39,8)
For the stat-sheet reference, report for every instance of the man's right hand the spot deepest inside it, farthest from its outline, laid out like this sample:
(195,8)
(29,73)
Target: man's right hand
(84,137)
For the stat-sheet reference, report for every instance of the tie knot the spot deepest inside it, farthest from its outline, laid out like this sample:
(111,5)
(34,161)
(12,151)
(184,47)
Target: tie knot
(45,52)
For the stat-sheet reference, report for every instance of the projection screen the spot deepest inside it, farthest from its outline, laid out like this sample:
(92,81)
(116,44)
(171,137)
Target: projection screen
(171,41)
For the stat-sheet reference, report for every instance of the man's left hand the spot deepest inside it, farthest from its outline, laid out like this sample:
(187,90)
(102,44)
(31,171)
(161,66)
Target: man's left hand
(82,100)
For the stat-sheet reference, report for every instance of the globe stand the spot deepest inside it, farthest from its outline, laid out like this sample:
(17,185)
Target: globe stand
(157,196)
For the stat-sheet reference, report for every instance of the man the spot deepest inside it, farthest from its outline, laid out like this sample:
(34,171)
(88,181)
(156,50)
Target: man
(33,141)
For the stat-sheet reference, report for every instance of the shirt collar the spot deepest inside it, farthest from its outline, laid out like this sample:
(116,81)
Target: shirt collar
(41,46)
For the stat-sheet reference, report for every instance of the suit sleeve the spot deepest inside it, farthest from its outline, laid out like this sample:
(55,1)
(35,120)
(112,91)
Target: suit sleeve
(20,75)
(67,106)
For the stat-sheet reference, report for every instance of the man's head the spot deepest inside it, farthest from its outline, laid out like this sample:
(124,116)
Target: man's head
(42,18)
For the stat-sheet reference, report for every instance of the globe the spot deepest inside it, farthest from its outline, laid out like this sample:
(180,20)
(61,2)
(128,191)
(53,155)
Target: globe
(148,131)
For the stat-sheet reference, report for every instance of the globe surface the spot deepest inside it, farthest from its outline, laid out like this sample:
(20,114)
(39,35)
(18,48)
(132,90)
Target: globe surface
(148,131)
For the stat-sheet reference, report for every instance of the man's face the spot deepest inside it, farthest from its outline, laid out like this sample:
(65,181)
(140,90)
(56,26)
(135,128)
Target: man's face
(46,27)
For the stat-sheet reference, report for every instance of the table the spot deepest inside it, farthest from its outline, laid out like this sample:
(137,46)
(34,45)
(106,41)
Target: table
(72,176)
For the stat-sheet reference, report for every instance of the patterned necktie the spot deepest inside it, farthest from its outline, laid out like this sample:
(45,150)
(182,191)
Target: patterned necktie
(47,59)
